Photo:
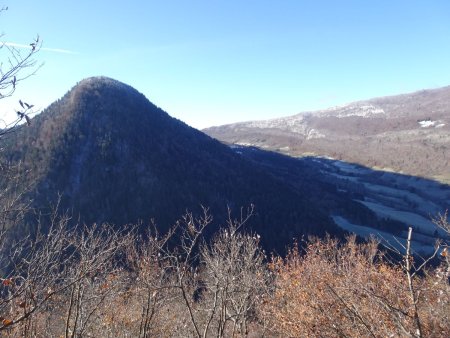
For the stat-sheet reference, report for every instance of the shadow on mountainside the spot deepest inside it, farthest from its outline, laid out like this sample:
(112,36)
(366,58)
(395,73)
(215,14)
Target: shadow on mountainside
(360,199)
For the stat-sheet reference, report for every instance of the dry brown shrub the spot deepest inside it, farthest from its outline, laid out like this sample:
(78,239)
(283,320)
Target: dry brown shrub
(350,291)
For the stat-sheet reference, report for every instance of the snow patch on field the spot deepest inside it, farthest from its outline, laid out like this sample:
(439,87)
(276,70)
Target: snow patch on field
(427,123)
(313,133)
(341,177)
(385,238)
(430,123)
(423,205)
(245,144)
(408,218)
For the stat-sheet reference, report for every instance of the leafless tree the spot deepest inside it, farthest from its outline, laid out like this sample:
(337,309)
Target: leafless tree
(218,284)
(13,205)
(183,262)
(235,279)
(15,67)
(99,254)
(64,269)
(151,276)
(34,270)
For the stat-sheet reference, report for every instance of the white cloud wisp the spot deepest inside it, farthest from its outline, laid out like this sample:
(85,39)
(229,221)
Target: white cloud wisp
(54,50)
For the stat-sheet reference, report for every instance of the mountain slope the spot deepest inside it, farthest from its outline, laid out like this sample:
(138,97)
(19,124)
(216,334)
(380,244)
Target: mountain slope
(407,133)
(115,157)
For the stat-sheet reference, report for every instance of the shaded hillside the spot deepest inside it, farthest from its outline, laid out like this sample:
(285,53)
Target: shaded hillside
(115,157)
(362,200)
(407,133)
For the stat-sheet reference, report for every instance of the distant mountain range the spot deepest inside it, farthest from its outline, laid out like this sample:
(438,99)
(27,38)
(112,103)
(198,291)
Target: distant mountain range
(406,133)
(110,155)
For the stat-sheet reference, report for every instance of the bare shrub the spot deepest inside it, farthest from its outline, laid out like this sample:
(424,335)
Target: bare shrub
(217,286)
(235,279)
(150,293)
(349,291)
(61,276)
(97,281)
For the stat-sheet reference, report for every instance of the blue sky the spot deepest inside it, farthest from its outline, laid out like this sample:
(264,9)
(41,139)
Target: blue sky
(214,62)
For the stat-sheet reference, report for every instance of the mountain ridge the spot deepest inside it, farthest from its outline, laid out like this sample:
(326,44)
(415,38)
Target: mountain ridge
(406,133)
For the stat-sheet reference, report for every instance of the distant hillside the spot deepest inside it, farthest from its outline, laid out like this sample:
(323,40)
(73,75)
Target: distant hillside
(115,157)
(406,133)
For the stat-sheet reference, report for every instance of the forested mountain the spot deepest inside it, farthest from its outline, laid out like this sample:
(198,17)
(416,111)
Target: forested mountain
(107,154)
(112,156)
(406,133)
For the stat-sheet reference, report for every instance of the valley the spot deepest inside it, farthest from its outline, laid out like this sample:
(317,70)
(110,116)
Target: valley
(365,201)
(390,155)
(410,201)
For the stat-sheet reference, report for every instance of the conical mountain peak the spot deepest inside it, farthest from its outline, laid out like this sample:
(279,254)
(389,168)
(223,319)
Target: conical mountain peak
(115,157)
(97,93)
(98,85)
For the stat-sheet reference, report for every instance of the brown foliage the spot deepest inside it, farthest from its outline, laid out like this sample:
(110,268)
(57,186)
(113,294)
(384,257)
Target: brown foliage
(350,291)
(100,282)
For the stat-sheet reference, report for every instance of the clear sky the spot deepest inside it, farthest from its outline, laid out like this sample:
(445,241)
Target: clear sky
(210,62)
